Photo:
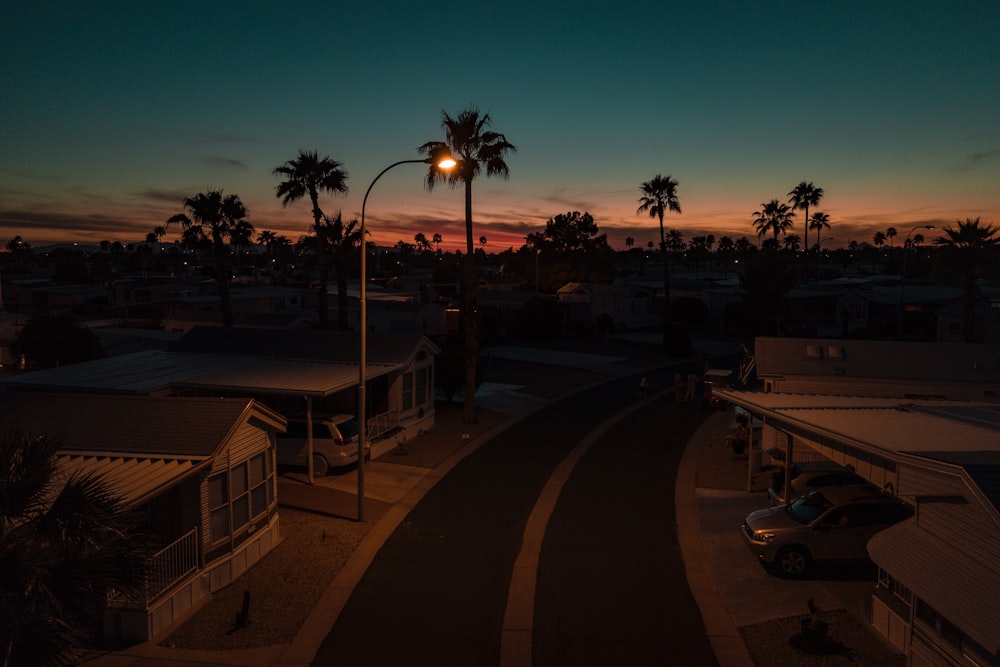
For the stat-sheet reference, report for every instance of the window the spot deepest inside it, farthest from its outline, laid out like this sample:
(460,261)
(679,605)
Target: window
(238,497)
(420,387)
(258,485)
(408,391)
(218,507)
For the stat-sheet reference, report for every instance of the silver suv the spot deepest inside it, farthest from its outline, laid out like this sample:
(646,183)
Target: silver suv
(832,523)
(335,443)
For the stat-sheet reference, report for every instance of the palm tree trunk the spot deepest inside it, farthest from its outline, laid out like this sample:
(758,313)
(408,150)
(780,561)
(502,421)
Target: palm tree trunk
(471,316)
(324,298)
(342,301)
(666,286)
(222,278)
(805,231)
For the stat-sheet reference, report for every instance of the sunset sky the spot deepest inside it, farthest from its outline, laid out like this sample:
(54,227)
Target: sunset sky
(111,113)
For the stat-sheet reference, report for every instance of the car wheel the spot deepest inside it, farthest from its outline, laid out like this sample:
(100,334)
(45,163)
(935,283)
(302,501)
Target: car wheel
(792,561)
(320,466)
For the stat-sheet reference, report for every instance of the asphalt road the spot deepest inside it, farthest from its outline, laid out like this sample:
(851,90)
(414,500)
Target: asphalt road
(611,588)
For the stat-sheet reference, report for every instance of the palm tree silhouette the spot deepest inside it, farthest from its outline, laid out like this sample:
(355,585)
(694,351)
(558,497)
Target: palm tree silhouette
(819,221)
(773,217)
(308,175)
(216,220)
(890,234)
(970,248)
(334,245)
(476,150)
(659,195)
(65,544)
(266,240)
(803,196)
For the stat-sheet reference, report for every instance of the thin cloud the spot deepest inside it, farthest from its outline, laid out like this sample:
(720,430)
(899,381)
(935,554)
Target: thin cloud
(224,162)
(174,197)
(976,160)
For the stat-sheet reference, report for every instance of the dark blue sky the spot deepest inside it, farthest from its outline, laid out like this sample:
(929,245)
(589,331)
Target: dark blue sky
(113,112)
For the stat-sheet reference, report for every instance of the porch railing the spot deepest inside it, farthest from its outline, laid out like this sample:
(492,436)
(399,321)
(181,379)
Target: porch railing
(162,570)
(381,424)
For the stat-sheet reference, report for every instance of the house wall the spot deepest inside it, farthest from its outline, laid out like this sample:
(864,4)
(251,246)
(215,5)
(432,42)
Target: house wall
(223,562)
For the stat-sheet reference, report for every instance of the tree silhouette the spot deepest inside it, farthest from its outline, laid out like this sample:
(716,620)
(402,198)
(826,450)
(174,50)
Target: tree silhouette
(64,545)
(773,217)
(306,176)
(802,197)
(477,150)
(658,196)
(335,245)
(215,220)
(969,249)
(890,234)
(819,221)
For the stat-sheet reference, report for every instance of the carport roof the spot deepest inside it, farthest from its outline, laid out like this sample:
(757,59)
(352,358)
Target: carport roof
(921,427)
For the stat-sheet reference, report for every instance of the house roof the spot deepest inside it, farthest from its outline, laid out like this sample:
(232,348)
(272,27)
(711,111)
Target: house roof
(962,589)
(312,344)
(140,444)
(938,361)
(316,363)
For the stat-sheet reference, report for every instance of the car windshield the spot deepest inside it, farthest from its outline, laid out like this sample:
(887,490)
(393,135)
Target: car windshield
(808,508)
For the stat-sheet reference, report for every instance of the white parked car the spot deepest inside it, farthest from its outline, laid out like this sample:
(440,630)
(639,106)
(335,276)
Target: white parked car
(335,443)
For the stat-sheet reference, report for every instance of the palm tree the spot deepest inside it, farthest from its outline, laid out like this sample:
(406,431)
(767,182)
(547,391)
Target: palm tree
(476,149)
(819,221)
(629,242)
(266,240)
(970,248)
(64,545)
(659,195)
(482,242)
(774,217)
(803,196)
(791,242)
(878,238)
(216,219)
(308,175)
(421,242)
(436,240)
(335,245)
(890,234)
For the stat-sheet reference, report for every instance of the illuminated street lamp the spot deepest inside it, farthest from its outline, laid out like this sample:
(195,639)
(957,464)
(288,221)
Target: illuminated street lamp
(902,275)
(443,161)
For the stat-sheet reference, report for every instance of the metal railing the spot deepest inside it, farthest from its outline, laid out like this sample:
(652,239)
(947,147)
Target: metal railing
(383,423)
(162,570)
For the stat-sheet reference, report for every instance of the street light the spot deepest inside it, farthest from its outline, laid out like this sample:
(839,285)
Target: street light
(443,161)
(902,276)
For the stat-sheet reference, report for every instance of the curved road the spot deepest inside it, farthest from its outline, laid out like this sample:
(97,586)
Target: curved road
(611,586)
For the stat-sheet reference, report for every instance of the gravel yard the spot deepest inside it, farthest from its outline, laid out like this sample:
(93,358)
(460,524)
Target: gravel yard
(284,587)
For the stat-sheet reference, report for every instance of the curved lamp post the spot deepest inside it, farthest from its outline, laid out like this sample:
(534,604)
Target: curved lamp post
(902,276)
(443,161)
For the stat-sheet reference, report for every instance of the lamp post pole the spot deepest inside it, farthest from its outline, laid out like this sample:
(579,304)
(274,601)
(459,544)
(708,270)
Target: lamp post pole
(902,276)
(443,163)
